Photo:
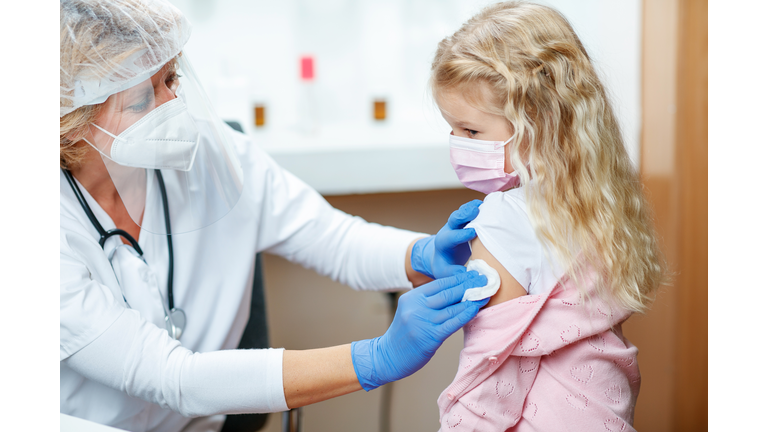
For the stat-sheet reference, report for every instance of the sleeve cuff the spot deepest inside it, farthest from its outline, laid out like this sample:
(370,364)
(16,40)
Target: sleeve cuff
(398,244)
(276,399)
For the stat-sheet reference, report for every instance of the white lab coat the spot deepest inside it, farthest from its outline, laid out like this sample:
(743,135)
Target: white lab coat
(119,367)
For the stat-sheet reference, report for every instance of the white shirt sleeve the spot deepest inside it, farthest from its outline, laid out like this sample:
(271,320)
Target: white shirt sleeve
(505,229)
(140,359)
(299,224)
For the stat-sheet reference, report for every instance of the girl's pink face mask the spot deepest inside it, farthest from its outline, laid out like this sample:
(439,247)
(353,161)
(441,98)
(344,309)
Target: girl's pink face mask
(479,164)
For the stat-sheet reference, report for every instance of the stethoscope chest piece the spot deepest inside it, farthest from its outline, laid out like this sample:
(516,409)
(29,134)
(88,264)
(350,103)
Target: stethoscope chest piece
(175,322)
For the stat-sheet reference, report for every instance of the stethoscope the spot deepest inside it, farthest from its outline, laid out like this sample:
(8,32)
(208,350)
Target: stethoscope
(175,319)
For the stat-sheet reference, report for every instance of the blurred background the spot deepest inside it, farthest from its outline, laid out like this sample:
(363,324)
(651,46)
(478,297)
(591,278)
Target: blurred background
(336,91)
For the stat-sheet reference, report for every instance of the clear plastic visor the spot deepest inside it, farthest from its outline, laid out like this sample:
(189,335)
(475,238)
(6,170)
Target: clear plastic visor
(164,132)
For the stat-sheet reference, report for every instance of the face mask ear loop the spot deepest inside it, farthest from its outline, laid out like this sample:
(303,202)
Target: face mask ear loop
(504,144)
(508,155)
(96,148)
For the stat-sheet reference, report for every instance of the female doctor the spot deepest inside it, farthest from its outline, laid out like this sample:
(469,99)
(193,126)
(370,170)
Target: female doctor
(163,209)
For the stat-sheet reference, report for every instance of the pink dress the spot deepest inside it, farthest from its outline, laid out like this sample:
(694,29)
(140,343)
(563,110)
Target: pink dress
(546,362)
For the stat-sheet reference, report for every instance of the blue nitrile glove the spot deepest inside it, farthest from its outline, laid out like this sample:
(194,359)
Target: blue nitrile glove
(446,253)
(425,317)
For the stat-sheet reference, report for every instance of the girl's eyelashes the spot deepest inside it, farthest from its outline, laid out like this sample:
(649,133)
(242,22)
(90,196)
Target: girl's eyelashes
(470,132)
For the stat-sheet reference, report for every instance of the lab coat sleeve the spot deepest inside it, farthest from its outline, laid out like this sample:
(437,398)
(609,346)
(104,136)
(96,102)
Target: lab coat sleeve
(86,307)
(299,224)
(140,359)
(104,341)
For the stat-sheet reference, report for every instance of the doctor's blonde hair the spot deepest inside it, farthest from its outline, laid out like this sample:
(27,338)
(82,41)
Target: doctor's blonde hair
(524,62)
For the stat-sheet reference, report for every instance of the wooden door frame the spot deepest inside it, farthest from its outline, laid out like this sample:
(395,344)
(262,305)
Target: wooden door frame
(672,337)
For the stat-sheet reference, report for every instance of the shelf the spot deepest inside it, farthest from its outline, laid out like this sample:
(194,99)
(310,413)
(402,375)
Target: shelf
(342,160)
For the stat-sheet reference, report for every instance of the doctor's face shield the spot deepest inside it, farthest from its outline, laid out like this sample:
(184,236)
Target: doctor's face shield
(154,114)
(166,123)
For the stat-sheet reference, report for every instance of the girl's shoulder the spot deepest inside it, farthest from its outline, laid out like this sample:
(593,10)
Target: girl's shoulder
(509,203)
(506,230)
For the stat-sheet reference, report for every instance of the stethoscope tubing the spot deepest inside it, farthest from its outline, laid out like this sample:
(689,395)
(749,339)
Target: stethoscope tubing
(164,197)
(104,235)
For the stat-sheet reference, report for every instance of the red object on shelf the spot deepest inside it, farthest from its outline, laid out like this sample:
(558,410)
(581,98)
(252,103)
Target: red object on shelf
(307,68)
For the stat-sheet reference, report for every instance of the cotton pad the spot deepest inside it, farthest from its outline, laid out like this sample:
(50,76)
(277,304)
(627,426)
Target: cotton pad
(494,281)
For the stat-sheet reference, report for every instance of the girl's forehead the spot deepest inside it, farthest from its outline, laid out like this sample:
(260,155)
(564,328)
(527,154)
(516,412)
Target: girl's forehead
(457,107)
(449,98)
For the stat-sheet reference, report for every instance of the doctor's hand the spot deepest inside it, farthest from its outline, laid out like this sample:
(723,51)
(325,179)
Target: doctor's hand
(425,318)
(445,253)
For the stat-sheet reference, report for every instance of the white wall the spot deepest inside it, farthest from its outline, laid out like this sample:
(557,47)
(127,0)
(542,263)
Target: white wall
(247,51)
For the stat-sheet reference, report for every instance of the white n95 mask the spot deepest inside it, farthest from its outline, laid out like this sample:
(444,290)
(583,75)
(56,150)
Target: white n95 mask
(166,138)
(479,164)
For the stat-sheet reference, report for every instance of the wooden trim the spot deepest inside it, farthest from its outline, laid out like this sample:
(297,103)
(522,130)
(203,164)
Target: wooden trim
(655,332)
(691,180)
(672,337)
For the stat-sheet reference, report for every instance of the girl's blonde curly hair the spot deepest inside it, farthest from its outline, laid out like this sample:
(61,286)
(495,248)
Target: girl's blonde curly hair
(584,195)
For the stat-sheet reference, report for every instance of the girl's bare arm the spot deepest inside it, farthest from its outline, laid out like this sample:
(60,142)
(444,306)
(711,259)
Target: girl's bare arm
(510,287)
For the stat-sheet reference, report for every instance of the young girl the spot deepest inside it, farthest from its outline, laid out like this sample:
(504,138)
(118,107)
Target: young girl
(565,225)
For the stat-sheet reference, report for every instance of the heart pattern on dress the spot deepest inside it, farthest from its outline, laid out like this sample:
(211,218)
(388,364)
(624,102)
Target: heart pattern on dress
(571,334)
(504,389)
(528,364)
(580,402)
(530,411)
(467,362)
(582,374)
(514,415)
(529,343)
(454,421)
(607,315)
(614,393)
(528,299)
(475,409)
(597,342)
(625,362)
(615,425)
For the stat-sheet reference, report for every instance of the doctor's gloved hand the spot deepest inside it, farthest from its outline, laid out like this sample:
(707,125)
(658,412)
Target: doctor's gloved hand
(445,253)
(425,317)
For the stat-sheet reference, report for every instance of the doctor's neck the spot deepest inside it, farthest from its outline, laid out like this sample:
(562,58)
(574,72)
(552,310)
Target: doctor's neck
(93,175)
